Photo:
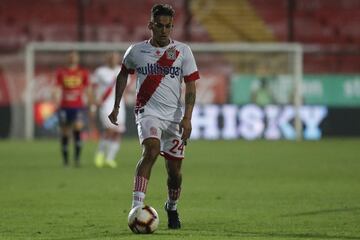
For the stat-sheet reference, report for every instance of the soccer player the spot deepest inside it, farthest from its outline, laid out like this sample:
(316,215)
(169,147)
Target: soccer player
(109,143)
(161,64)
(72,83)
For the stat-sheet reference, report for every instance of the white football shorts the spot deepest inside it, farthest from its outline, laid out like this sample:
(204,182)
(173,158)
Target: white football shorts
(171,145)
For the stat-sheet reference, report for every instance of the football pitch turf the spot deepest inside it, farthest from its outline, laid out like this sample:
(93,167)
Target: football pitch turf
(231,190)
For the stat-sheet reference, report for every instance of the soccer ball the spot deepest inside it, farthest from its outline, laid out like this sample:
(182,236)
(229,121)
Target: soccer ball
(143,219)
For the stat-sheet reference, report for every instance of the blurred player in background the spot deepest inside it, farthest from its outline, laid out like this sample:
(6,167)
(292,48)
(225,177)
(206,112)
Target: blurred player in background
(72,87)
(163,125)
(104,81)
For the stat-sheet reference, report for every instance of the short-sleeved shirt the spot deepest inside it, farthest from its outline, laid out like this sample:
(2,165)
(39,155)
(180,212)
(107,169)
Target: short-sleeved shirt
(73,83)
(160,72)
(104,78)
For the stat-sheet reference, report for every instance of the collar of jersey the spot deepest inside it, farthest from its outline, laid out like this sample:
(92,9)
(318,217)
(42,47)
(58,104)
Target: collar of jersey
(171,42)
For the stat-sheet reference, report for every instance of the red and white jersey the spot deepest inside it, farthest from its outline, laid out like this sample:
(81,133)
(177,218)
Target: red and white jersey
(160,72)
(104,79)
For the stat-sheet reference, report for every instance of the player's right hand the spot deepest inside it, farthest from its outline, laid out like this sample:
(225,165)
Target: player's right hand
(113,116)
(185,129)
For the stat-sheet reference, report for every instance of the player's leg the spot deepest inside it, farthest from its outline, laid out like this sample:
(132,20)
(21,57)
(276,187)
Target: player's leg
(103,145)
(64,140)
(109,143)
(174,189)
(77,129)
(149,136)
(113,148)
(115,134)
(174,181)
(173,152)
(104,139)
(65,131)
(151,149)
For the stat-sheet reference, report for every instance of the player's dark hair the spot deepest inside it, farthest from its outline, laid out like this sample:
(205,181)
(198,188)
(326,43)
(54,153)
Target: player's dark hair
(162,10)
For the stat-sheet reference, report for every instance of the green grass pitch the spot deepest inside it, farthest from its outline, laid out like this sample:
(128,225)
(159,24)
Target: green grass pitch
(231,190)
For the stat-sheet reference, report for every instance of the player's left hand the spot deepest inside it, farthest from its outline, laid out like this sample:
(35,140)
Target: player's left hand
(185,128)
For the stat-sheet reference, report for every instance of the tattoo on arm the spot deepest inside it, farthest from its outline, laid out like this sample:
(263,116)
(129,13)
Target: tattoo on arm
(190,98)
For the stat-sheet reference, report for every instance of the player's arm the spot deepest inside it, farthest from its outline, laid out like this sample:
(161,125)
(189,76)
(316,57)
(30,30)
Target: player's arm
(190,97)
(89,93)
(121,82)
(91,99)
(57,90)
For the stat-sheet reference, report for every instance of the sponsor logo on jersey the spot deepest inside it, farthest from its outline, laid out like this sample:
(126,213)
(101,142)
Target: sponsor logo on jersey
(156,69)
(72,81)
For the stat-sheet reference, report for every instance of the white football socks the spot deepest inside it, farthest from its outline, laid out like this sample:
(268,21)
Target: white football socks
(103,145)
(140,186)
(113,148)
(138,199)
(171,205)
(173,197)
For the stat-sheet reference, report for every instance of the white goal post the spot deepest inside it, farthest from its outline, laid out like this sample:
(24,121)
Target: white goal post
(293,49)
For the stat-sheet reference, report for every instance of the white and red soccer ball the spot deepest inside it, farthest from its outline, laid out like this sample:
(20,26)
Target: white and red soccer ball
(143,219)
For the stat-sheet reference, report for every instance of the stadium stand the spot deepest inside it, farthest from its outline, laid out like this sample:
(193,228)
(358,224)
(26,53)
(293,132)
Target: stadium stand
(325,23)
(230,21)
(334,26)
(316,21)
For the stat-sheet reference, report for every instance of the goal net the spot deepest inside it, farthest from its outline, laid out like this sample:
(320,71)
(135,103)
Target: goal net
(246,90)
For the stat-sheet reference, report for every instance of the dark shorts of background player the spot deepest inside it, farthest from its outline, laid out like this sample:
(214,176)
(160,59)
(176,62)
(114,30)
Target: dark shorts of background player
(68,116)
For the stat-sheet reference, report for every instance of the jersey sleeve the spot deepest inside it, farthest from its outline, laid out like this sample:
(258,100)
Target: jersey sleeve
(128,61)
(190,71)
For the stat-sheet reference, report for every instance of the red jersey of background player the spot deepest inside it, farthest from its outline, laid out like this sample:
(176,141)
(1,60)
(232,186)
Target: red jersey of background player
(73,82)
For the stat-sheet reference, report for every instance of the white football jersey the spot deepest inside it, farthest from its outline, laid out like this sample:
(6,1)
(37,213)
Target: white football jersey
(160,72)
(105,78)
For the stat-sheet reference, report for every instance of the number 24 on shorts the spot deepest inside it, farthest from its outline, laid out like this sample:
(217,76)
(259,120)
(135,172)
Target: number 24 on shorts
(178,146)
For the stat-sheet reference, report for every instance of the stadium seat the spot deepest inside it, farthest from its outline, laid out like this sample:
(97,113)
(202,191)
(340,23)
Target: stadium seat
(325,22)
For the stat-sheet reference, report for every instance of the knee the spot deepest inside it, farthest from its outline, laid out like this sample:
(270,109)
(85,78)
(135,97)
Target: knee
(65,132)
(151,149)
(78,126)
(151,153)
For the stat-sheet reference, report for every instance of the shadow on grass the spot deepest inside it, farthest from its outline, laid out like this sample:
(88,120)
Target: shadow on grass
(265,235)
(192,233)
(298,235)
(101,235)
(324,211)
